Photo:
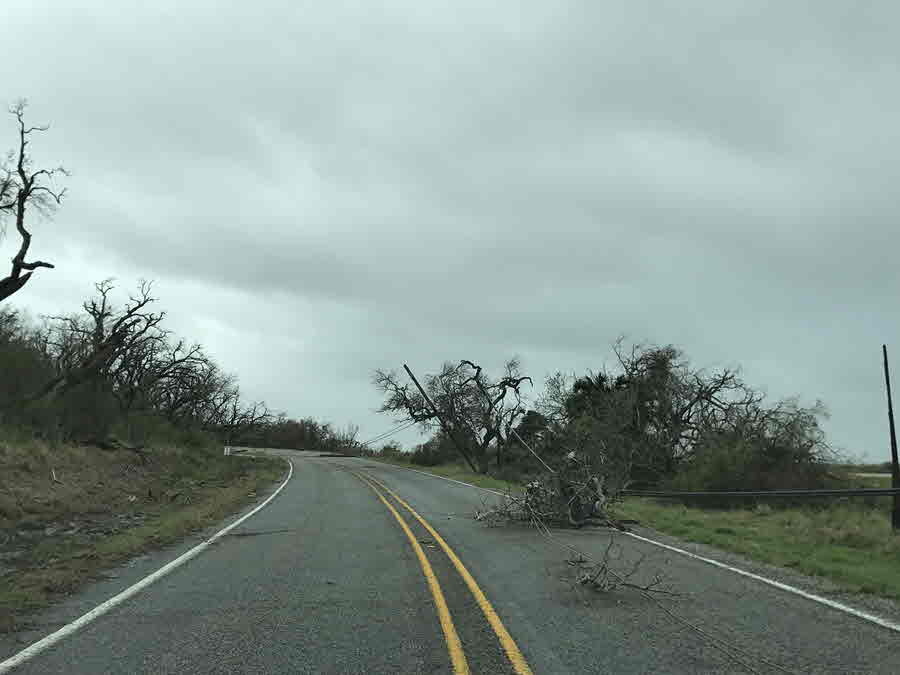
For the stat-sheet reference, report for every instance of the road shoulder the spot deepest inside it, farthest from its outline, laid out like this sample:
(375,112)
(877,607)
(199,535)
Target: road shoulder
(140,554)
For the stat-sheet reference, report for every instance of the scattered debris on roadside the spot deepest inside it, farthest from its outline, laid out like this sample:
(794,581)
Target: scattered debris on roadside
(577,494)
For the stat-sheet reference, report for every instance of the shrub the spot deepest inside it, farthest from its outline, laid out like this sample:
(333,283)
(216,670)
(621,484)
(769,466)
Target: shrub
(87,412)
(427,455)
(437,450)
(391,450)
(734,464)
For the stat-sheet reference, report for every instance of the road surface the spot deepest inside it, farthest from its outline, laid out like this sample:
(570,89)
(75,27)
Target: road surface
(326,579)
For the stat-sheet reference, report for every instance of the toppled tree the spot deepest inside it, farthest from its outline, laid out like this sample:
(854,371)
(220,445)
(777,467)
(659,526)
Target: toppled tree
(572,494)
(474,410)
(655,419)
(581,489)
(86,348)
(22,187)
(589,463)
(584,437)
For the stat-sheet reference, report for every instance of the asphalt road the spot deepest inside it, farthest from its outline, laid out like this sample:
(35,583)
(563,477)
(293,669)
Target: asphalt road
(326,580)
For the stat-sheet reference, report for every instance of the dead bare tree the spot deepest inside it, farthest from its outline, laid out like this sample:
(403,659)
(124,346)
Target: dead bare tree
(89,347)
(477,412)
(196,391)
(115,369)
(347,439)
(238,418)
(576,494)
(148,365)
(21,188)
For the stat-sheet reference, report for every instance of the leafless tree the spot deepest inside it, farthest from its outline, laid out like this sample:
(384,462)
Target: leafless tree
(190,388)
(348,438)
(238,418)
(22,187)
(471,408)
(109,365)
(149,364)
(86,347)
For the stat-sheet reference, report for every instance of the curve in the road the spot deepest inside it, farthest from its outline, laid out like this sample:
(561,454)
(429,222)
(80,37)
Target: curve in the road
(45,643)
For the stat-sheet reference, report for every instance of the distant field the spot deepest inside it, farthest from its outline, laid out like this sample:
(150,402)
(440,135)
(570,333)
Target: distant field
(882,477)
(866,479)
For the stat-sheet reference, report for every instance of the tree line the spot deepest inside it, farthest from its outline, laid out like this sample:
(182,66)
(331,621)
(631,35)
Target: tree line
(652,419)
(111,373)
(107,372)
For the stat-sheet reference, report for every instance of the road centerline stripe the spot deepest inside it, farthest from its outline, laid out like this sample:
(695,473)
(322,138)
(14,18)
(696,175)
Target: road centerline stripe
(454,646)
(813,597)
(509,645)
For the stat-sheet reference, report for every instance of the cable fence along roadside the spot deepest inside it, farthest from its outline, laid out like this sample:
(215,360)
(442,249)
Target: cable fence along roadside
(893,491)
(762,494)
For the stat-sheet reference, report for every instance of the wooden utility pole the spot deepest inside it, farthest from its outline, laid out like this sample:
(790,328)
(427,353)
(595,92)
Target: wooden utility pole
(444,424)
(895,467)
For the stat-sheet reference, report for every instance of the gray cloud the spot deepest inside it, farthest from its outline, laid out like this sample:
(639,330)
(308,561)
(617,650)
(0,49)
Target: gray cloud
(321,190)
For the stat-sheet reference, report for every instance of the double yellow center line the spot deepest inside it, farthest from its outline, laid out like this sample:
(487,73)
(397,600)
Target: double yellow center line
(454,646)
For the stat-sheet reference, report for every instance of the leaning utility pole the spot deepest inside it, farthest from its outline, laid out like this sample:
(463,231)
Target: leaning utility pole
(446,427)
(895,467)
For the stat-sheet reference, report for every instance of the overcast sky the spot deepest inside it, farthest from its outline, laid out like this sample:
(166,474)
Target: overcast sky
(322,189)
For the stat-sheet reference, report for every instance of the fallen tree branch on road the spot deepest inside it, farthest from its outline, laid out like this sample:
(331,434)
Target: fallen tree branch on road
(573,496)
(555,499)
(607,574)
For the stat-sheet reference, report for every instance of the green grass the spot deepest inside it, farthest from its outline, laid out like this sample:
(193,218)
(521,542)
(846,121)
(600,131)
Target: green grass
(850,543)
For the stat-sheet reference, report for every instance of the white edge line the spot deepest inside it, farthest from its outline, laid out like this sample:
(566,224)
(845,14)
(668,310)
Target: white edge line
(45,643)
(434,475)
(885,623)
(777,584)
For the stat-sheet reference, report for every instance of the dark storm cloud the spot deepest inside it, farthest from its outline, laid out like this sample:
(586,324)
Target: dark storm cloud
(325,188)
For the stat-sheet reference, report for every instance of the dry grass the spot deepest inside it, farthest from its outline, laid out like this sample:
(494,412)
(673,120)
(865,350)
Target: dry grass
(105,507)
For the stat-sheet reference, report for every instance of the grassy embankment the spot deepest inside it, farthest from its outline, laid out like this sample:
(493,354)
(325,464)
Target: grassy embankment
(103,508)
(849,542)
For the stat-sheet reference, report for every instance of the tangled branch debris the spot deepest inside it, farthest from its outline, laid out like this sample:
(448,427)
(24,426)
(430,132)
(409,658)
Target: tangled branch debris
(575,495)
